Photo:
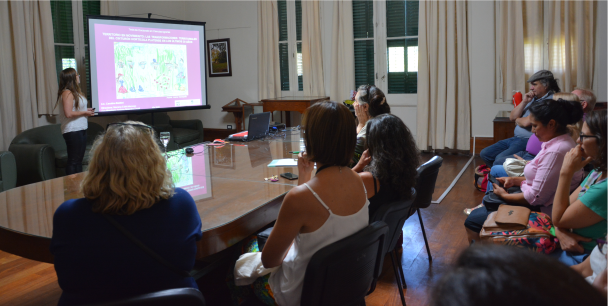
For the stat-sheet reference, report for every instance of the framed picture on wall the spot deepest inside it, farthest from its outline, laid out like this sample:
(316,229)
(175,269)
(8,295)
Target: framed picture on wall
(218,57)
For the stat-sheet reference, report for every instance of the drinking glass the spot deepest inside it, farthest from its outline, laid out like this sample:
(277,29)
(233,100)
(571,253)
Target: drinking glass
(164,138)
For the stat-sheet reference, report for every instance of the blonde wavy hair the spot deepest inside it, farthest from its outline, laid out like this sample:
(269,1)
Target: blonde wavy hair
(127,171)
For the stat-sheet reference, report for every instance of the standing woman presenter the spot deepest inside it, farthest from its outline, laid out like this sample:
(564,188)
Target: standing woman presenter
(72,114)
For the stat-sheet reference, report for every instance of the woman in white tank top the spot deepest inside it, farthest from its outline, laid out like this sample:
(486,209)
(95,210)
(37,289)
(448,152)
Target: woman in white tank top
(72,115)
(320,210)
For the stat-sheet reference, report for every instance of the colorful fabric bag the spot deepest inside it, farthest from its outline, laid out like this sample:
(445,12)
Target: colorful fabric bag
(481,177)
(538,236)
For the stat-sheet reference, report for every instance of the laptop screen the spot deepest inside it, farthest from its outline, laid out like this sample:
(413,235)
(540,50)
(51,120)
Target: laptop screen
(258,125)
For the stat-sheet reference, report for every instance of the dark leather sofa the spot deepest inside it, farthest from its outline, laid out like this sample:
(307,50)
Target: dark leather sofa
(8,171)
(41,152)
(183,132)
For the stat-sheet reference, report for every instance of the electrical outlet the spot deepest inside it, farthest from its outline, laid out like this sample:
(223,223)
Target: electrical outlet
(229,127)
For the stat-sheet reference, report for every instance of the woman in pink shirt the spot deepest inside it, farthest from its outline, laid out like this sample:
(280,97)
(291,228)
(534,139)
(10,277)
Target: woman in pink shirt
(549,123)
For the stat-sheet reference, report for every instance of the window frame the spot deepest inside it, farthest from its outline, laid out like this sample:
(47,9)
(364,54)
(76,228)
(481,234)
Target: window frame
(292,50)
(381,58)
(79,44)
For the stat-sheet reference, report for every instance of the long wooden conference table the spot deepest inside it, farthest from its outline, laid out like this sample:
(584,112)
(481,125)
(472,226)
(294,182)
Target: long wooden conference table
(227,183)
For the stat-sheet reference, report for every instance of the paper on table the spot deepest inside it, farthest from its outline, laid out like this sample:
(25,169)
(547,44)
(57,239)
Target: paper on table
(285,162)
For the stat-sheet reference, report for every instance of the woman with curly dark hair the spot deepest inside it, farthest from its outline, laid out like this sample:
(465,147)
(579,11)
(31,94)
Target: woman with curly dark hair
(390,161)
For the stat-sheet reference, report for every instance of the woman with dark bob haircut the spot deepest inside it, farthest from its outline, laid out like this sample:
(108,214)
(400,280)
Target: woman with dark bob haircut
(321,210)
(393,159)
(549,121)
(505,276)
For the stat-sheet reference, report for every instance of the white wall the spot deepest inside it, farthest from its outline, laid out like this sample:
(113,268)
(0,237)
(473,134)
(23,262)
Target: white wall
(237,20)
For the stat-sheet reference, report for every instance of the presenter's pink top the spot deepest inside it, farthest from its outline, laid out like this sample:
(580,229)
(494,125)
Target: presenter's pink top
(542,173)
(533,145)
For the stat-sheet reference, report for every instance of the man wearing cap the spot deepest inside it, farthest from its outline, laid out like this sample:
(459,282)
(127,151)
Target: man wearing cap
(542,87)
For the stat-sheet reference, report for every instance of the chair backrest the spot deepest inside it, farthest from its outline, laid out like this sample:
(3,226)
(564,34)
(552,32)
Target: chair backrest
(180,296)
(342,272)
(394,214)
(425,182)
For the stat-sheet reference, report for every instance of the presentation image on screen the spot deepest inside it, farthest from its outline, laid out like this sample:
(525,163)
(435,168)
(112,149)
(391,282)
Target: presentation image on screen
(145,65)
(190,173)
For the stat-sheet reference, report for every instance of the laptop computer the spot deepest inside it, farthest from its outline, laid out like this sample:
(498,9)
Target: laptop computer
(258,128)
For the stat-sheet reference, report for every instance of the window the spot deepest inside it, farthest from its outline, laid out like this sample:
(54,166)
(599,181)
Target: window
(396,31)
(363,30)
(290,44)
(71,36)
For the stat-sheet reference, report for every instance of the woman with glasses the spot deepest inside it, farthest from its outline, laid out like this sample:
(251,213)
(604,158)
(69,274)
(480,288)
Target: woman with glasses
(549,120)
(581,216)
(370,102)
(127,186)
(72,115)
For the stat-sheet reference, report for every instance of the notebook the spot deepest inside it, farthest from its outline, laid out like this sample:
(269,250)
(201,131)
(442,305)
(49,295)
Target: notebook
(258,128)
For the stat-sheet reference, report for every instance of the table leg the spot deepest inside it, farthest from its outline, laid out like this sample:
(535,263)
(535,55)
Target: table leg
(238,121)
(287,119)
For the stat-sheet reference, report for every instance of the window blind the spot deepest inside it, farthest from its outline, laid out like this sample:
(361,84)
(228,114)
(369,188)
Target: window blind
(364,63)
(363,19)
(284,65)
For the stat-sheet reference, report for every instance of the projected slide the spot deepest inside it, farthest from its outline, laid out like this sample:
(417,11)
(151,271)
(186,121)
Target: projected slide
(138,66)
(150,70)
(190,173)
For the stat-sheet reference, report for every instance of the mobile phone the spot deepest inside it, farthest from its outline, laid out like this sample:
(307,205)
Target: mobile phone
(494,180)
(289,176)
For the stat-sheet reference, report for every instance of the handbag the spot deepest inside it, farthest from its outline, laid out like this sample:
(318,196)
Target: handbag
(492,201)
(520,227)
(141,245)
(481,177)
(514,167)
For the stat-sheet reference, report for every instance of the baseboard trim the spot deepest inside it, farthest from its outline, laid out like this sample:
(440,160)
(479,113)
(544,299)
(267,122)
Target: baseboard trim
(212,134)
(481,143)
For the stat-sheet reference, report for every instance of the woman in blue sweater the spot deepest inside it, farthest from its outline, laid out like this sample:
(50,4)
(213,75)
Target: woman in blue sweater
(128,182)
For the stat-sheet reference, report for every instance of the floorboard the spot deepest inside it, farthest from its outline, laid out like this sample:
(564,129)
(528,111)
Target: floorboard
(25,282)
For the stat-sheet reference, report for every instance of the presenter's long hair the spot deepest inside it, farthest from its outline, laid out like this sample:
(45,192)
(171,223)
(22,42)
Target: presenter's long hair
(67,81)
(127,171)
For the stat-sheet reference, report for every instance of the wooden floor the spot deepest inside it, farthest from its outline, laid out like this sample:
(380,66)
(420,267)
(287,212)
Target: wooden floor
(27,282)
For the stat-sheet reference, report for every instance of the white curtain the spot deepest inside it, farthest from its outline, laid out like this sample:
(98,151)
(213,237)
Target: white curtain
(28,81)
(444,103)
(510,48)
(312,55)
(522,35)
(572,42)
(342,51)
(269,76)
(108,7)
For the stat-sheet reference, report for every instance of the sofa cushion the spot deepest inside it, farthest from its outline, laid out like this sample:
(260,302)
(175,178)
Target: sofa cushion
(185,135)
(61,158)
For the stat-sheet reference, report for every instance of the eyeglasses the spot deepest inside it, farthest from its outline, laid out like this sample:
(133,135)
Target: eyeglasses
(600,244)
(582,137)
(131,124)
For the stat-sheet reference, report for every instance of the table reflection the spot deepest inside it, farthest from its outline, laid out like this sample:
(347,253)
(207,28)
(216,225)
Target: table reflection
(227,183)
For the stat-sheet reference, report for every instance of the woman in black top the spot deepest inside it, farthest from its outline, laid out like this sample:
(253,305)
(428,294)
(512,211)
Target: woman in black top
(388,166)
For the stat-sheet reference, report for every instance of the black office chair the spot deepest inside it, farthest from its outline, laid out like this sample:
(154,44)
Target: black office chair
(180,296)
(343,272)
(394,215)
(425,186)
